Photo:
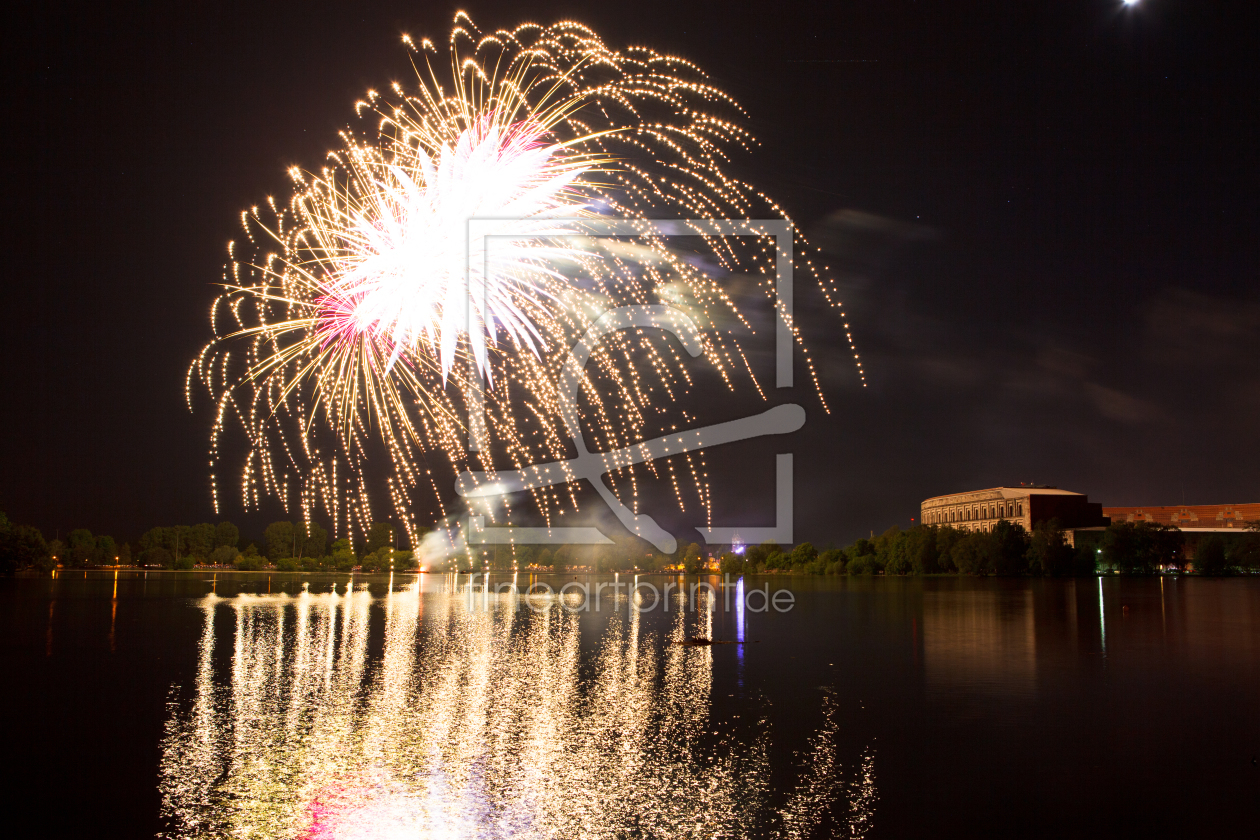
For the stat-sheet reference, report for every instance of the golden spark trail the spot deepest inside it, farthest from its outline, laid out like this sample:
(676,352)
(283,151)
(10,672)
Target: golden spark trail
(356,321)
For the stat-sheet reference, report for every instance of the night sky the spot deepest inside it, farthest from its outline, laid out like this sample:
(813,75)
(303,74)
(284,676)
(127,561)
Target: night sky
(1044,216)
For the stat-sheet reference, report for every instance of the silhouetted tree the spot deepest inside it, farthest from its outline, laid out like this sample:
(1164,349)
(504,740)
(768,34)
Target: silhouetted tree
(280,539)
(972,553)
(1085,561)
(106,551)
(247,562)
(1048,551)
(1209,556)
(803,555)
(832,561)
(920,551)
(380,535)
(888,550)
(1008,547)
(948,538)
(731,564)
(159,556)
(861,558)
(201,539)
(377,561)
(225,533)
(526,555)
(21,547)
(1140,547)
(693,560)
(178,540)
(863,564)
(82,548)
(1245,553)
(316,542)
(152,538)
(757,555)
(342,555)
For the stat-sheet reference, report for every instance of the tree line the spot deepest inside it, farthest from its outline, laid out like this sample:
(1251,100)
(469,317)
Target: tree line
(929,549)
(1009,549)
(624,554)
(286,546)
(1125,547)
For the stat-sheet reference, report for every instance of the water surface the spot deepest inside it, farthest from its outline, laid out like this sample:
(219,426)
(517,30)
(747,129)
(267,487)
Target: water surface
(258,705)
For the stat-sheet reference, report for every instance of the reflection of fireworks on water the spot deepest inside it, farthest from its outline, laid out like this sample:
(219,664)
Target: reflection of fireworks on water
(323,721)
(349,322)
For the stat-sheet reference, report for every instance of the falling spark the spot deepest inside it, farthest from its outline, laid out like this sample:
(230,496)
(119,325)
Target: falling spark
(357,323)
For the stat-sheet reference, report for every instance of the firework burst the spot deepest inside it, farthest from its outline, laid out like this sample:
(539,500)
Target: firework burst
(357,319)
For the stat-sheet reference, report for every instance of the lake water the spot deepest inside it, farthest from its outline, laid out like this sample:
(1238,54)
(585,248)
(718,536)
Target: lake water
(285,706)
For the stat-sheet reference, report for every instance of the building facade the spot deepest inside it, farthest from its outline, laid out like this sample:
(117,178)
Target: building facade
(1188,516)
(982,510)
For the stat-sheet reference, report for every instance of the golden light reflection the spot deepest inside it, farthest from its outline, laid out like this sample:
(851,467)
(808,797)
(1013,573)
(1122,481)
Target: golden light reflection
(341,715)
(979,641)
(113,616)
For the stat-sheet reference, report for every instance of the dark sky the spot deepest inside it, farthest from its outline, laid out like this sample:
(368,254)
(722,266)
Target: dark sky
(1058,284)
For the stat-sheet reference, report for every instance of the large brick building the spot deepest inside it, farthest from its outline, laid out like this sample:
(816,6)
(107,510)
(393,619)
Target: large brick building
(1188,516)
(981,510)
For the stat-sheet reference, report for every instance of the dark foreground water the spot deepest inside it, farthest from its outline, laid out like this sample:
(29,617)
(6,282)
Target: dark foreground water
(287,707)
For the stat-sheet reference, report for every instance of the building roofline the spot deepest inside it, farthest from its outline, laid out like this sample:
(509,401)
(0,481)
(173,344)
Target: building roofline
(1189,529)
(1181,507)
(1038,491)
